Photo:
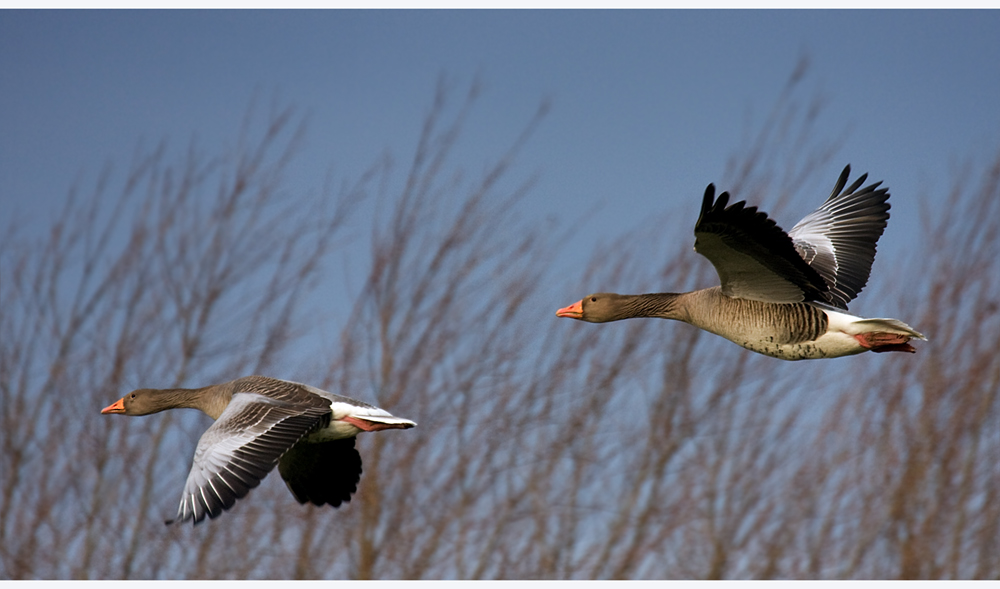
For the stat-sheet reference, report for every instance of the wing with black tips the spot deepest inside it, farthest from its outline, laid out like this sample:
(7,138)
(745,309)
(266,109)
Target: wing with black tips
(839,238)
(754,257)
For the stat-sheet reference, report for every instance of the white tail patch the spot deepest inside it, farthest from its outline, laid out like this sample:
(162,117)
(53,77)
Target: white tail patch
(854,325)
(887,326)
(389,419)
(342,410)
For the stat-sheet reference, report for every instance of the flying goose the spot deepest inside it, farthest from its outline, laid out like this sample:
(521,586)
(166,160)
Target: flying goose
(782,294)
(259,422)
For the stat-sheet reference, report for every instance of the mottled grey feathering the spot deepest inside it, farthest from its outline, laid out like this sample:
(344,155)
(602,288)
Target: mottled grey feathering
(839,238)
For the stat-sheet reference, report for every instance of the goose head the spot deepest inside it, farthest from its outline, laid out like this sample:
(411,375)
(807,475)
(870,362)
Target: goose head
(598,308)
(138,402)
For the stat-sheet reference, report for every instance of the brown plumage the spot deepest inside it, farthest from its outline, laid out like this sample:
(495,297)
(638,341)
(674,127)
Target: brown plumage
(781,294)
(261,422)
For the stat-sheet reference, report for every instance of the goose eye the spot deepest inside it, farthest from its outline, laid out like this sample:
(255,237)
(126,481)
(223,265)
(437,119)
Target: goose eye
(593,299)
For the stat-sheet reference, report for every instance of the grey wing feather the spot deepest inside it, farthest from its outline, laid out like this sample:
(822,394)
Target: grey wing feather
(240,448)
(839,238)
(754,257)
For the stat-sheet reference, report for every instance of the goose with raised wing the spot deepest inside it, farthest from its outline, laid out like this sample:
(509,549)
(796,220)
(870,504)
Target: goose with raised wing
(782,294)
(261,422)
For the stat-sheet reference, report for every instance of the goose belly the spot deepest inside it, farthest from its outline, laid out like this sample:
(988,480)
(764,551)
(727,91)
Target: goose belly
(829,345)
(790,331)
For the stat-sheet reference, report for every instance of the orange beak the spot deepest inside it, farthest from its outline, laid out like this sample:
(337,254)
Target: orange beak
(117,407)
(574,311)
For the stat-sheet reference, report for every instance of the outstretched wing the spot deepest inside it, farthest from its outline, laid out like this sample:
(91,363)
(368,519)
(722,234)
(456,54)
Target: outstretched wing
(754,257)
(240,448)
(322,472)
(839,238)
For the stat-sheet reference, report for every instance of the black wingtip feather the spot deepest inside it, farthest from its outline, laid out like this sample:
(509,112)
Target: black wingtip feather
(728,221)
(707,200)
(711,206)
(841,182)
(857,184)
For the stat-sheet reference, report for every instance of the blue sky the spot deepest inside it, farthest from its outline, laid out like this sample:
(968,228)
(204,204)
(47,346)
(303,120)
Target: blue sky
(647,106)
